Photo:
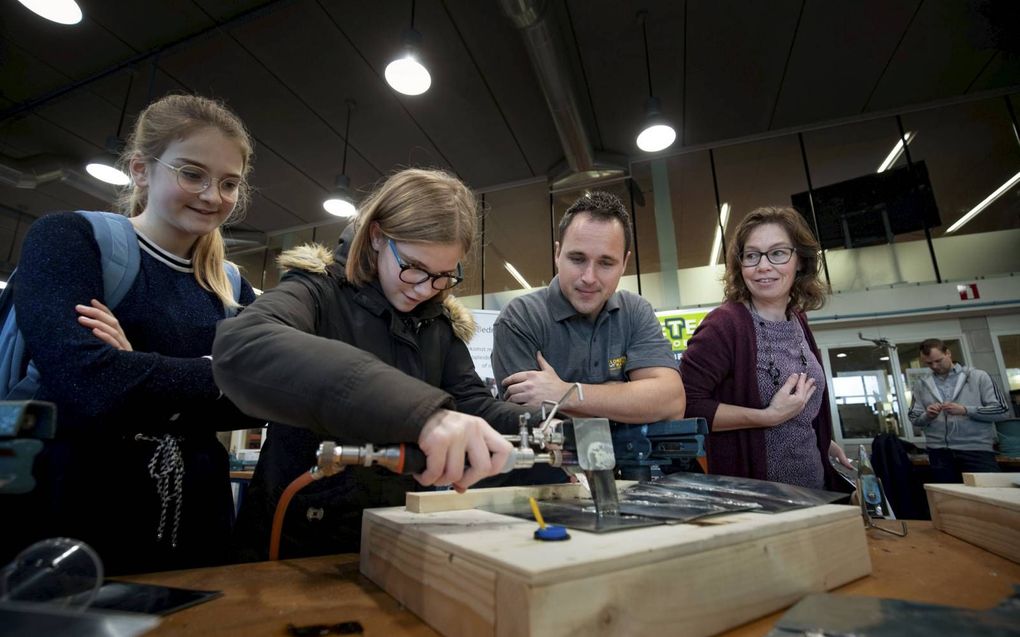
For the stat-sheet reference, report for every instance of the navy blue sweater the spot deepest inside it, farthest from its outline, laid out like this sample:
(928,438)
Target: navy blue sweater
(94,480)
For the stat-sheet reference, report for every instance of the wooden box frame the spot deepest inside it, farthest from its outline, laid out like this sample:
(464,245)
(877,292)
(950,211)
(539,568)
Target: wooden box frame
(469,572)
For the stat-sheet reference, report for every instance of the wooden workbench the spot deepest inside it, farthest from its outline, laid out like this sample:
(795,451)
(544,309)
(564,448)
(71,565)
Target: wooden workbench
(261,599)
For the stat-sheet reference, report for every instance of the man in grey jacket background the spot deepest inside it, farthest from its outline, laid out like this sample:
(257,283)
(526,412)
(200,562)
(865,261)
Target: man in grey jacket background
(957,408)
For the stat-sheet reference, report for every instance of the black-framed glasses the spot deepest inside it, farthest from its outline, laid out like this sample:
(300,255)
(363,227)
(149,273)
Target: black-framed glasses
(415,275)
(776,256)
(196,180)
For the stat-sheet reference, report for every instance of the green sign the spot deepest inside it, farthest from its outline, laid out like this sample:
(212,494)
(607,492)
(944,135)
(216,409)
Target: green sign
(678,326)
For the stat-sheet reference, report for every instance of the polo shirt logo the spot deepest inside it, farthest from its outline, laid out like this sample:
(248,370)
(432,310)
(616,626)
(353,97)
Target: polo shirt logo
(616,364)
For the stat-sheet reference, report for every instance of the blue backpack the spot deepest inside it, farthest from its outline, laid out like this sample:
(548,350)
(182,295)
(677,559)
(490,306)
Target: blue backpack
(121,260)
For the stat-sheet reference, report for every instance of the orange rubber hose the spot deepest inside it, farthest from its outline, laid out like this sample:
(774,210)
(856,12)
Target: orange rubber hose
(299,483)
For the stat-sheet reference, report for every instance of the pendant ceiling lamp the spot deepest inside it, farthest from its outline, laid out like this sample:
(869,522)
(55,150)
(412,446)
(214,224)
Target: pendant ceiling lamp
(657,133)
(104,167)
(407,74)
(340,202)
(59,11)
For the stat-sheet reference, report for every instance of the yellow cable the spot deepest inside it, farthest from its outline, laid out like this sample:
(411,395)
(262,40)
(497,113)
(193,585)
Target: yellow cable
(538,514)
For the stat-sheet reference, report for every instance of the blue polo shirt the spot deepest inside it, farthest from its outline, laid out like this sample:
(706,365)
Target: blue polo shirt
(625,336)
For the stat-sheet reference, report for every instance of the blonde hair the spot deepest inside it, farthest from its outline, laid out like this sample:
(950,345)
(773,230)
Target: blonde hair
(808,291)
(173,118)
(416,206)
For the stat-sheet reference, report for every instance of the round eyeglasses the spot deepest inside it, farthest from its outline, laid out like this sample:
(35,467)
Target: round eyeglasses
(415,275)
(776,256)
(196,180)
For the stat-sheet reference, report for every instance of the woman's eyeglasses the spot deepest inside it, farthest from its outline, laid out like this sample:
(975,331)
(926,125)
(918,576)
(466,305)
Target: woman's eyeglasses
(197,180)
(415,275)
(776,256)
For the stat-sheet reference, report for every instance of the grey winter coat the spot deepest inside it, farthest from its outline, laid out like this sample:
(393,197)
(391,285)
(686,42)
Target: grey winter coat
(973,431)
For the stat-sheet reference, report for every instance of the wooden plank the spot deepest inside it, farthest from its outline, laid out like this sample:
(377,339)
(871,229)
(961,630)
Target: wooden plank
(988,517)
(435,501)
(475,572)
(991,479)
(733,585)
(456,596)
(505,542)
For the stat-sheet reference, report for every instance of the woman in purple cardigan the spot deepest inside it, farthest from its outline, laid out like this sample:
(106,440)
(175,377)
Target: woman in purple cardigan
(752,368)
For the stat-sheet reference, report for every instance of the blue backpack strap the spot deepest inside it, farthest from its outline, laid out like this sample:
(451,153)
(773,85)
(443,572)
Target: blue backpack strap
(13,352)
(234,276)
(120,259)
(121,256)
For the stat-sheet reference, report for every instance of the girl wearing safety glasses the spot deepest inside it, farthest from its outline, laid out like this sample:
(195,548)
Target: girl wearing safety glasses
(136,470)
(364,344)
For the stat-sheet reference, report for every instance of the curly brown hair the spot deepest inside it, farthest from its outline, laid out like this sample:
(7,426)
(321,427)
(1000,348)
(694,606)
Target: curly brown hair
(808,291)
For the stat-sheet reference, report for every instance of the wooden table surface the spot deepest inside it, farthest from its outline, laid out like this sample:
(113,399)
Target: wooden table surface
(262,598)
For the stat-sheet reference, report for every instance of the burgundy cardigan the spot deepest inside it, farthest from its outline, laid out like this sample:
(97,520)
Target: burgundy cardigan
(719,366)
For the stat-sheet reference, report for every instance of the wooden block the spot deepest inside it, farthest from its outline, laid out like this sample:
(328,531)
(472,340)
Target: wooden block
(473,572)
(435,501)
(988,517)
(991,479)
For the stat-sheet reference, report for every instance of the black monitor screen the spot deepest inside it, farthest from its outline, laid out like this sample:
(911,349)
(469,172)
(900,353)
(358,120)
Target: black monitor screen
(854,213)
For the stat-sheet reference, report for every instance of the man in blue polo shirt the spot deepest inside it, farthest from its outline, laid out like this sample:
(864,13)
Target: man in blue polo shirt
(581,329)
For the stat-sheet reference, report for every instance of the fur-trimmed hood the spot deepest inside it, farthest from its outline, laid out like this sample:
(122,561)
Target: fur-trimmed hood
(311,257)
(463,321)
(318,259)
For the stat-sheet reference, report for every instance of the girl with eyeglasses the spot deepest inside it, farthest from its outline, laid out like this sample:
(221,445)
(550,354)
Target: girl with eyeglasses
(752,368)
(364,344)
(136,469)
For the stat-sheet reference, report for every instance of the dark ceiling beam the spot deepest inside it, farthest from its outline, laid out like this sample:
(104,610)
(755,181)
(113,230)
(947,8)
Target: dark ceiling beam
(241,18)
(786,67)
(374,70)
(584,77)
(286,86)
(488,89)
(892,56)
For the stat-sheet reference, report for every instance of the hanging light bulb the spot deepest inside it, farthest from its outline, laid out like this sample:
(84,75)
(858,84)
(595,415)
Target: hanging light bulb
(657,133)
(340,202)
(104,167)
(407,74)
(105,171)
(59,11)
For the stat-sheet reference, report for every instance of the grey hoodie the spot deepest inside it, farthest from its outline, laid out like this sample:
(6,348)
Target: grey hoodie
(973,431)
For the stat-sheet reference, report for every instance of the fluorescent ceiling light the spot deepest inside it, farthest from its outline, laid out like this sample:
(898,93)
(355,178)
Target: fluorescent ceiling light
(517,275)
(3,284)
(895,153)
(724,216)
(106,172)
(989,200)
(884,358)
(841,355)
(59,11)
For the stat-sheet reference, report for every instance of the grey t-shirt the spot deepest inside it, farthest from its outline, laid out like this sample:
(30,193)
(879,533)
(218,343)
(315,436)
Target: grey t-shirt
(625,336)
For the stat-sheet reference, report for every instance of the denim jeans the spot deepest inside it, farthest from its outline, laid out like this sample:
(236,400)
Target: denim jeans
(948,465)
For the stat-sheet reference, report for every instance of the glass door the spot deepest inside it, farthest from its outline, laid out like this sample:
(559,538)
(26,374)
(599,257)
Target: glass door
(864,395)
(1008,346)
